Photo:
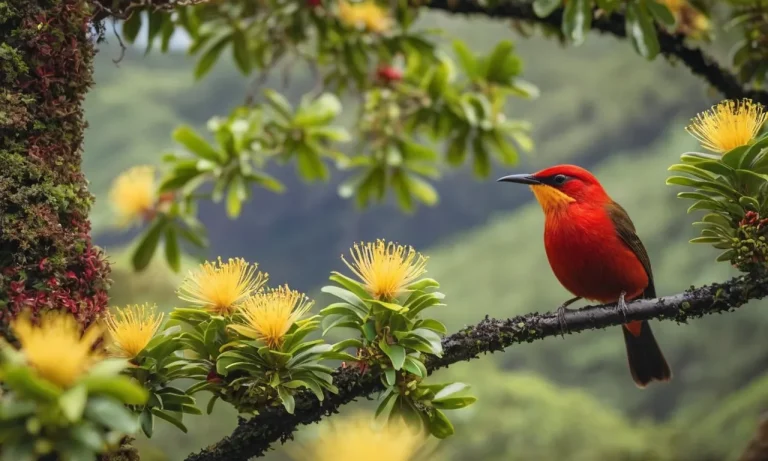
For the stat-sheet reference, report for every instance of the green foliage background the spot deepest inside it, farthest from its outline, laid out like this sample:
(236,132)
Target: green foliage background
(568,400)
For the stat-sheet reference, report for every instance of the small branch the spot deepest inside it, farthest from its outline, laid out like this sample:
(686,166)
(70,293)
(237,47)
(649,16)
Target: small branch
(255,436)
(673,46)
(757,449)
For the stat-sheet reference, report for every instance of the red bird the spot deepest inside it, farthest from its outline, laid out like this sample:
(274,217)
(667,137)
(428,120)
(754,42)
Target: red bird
(595,253)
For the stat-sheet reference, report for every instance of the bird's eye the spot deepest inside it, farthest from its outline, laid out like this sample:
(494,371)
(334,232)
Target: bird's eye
(560,179)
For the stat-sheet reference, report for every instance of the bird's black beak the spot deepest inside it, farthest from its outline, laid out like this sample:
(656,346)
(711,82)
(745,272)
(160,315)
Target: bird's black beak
(520,179)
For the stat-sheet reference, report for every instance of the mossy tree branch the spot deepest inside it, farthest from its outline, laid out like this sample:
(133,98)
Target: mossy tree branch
(46,255)
(255,436)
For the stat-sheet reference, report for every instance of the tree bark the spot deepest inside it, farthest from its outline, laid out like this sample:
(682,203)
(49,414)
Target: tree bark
(47,260)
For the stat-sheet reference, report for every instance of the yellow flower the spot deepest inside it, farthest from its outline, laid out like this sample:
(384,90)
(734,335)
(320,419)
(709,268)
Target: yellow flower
(219,287)
(134,194)
(354,438)
(55,348)
(270,314)
(386,268)
(728,125)
(366,14)
(132,329)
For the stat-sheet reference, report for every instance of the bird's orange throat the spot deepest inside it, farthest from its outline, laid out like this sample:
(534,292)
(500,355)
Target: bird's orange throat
(551,199)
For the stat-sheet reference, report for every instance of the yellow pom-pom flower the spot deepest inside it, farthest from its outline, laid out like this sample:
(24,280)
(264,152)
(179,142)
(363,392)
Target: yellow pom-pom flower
(55,348)
(728,125)
(131,328)
(386,268)
(355,438)
(367,15)
(220,287)
(269,315)
(134,194)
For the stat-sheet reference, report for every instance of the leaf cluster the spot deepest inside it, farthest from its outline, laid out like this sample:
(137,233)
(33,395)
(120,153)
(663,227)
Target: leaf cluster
(395,339)
(733,190)
(40,419)
(156,368)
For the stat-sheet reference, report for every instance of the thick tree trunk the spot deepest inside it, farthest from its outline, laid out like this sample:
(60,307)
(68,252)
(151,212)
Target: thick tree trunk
(47,260)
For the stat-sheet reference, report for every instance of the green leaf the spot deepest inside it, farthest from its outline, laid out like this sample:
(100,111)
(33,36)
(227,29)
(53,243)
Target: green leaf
(72,403)
(391,306)
(466,58)
(196,145)
(454,403)
(705,240)
(457,149)
(369,331)
(733,157)
(279,104)
(544,8)
(148,244)
(422,190)
(386,404)
(108,368)
(577,20)
(235,196)
(726,256)
(346,295)
(415,367)
(118,387)
(390,376)
(132,26)
(402,191)
(87,435)
(439,425)
(169,417)
(210,57)
(661,13)
(112,414)
(26,382)
(240,51)
(172,250)
(432,324)
(682,181)
(318,112)
(482,164)
(395,353)
(147,422)
(641,30)
(497,69)
(450,390)
(352,285)
(211,403)
(287,398)
(154,26)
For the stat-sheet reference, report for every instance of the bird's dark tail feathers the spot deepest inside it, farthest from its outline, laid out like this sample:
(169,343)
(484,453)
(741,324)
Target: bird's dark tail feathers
(646,362)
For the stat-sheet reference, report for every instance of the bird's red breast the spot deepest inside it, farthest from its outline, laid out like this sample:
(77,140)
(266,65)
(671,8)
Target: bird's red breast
(589,258)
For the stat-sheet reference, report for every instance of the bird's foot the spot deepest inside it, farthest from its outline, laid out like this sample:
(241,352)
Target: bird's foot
(622,305)
(561,311)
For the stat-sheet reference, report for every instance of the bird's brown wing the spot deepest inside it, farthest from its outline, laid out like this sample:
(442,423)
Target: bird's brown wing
(626,230)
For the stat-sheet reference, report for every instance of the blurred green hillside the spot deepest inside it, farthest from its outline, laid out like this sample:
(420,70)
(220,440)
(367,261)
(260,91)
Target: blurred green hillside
(601,107)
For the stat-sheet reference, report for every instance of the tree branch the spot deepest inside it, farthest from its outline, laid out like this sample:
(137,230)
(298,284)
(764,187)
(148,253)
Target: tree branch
(255,436)
(757,449)
(673,46)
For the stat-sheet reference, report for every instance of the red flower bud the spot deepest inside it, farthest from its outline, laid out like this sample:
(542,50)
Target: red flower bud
(389,74)
(314,3)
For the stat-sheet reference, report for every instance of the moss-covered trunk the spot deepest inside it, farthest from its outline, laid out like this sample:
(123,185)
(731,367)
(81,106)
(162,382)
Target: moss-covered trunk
(47,260)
